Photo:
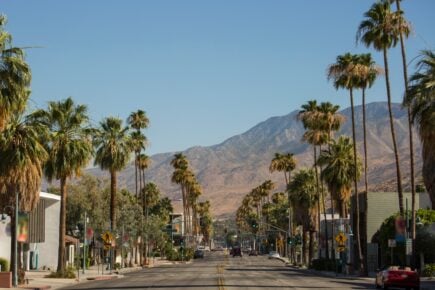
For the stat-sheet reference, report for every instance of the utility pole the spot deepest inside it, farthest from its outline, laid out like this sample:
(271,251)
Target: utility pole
(84,245)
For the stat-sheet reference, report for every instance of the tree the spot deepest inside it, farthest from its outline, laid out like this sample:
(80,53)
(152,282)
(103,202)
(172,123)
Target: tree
(404,30)
(420,99)
(344,75)
(283,163)
(15,77)
(303,195)
(21,160)
(69,146)
(380,29)
(112,153)
(138,121)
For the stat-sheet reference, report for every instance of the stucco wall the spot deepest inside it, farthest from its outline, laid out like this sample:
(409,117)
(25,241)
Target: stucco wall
(5,239)
(47,251)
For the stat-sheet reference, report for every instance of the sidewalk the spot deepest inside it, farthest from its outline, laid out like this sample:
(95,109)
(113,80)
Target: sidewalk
(37,280)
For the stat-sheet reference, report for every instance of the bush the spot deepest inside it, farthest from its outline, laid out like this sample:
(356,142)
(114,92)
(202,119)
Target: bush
(324,264)
(117,266)
(68,274)
(4,265)
(429,270)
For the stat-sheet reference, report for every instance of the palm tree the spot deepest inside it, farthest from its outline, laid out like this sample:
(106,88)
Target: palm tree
(404,30)
(283,163)
(113,150)
(328,121)
(70,148)
(339,171)
(138,142)
(366,75)
(303,195)
(420,99)
(22,156)
(344,75)
(15,77)
(380,29)
(138,121)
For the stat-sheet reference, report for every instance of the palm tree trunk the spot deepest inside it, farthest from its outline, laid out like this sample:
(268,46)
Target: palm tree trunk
(318,199)
(393,134)
(62,225)
(135,173)
(411,142)
(112,200)
(355,180)
(365,194)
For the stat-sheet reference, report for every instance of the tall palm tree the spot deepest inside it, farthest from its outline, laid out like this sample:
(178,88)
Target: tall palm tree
(314,135)
(181,176)
(404,30)
(113,151)
(22,156)
(380,30)
(339,171)
(303,194)
(15,77)
(420,99)
(69,146)
(284,163)
(366,75)
(138,121)
(329,121)
(344,75)
(138,142)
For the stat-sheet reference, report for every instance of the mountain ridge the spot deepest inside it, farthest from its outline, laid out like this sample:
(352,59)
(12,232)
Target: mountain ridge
(230,169)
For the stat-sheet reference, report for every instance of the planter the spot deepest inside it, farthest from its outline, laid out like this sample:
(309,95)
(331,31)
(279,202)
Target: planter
(5,279)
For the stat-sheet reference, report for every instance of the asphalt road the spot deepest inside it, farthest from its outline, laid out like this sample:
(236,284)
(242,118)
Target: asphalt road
(218,271)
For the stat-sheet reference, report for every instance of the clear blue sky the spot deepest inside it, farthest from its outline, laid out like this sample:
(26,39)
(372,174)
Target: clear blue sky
(202,70)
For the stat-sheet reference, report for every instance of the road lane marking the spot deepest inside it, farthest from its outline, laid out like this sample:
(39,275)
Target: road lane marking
(220,276)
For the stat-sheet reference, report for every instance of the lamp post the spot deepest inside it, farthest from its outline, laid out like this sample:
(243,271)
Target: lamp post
(14,212)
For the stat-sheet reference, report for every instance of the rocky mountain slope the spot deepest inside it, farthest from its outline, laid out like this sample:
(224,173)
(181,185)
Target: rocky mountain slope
(229,170)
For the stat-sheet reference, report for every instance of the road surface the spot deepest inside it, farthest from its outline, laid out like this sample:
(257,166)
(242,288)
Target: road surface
(218,271)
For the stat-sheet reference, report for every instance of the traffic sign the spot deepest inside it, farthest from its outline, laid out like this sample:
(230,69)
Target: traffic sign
(341,248)
(341,238)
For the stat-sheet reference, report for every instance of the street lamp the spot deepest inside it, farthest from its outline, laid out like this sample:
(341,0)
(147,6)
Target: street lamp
(14,237)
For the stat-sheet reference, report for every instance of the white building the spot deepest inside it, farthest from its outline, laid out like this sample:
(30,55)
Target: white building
(41,251)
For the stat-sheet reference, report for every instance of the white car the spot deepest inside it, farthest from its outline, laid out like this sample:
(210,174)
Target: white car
(274,255)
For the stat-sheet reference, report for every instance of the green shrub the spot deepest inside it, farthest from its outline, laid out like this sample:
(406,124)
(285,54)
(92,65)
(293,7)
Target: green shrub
(117,266)
(68,274)
(429,270)
(4,265)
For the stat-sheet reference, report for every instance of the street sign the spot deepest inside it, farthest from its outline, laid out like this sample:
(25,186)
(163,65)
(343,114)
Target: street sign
(341,248)
(341,238)
(391,243)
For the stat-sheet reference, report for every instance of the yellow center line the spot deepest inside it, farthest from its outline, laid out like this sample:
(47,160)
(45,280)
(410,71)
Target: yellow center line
(221,280)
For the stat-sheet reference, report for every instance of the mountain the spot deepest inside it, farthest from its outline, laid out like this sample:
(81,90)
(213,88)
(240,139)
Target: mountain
(229,170)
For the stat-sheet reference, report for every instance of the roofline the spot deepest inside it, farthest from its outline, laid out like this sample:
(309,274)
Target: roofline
(47,195)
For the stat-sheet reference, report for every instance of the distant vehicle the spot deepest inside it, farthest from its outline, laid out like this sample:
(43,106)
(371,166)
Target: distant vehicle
(395,276)
(218,248)
(207,248)
(253,253)
(198,254)
(236,252)
(274,255)
(202,248)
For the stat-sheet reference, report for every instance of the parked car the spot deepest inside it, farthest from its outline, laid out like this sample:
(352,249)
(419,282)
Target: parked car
(395,276)
(236,252)
(274,254)
(253,253)
(198,254)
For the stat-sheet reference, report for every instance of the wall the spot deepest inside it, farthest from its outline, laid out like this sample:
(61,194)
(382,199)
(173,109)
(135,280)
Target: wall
(5,239)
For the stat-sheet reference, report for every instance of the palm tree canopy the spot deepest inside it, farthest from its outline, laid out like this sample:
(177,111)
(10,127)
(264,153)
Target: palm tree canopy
(368,70)
(143,161)
(302,189)
(113,145)
(339,168)
(329,118)
(381,27)
(69,143)
(15,77)
(308,114)
(179,161)
(22,156)
(282,162)
(344,71)
(138,120)
(138,141)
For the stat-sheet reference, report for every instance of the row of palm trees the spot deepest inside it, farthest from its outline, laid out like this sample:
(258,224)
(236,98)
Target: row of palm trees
(57,141)
(191,190)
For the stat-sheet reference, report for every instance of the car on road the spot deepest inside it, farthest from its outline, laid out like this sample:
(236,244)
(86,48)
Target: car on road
(198,254)
(274,255)
(395,276)
(236,252)
(253,253)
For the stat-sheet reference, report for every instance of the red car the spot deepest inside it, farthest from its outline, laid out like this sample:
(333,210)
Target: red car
(395,276)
